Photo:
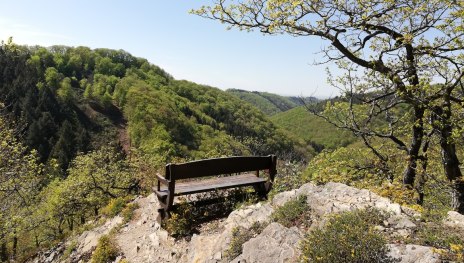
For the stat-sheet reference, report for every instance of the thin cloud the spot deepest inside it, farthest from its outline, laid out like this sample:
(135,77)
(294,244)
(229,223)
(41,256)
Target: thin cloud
(29,34)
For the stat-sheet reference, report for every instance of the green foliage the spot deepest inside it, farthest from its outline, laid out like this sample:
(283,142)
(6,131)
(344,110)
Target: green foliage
(239,237)
(106,251)
(347,237)
(69,249)
(181,223)
(293,213)
(312,129)
(268,103)
(114,207)
(127,212)
(22,177)
(289,176)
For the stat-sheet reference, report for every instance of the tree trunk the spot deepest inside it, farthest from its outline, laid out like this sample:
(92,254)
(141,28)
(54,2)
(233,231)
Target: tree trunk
(409,173)
(3,251)
(15,245)
(458,196)
(449,157)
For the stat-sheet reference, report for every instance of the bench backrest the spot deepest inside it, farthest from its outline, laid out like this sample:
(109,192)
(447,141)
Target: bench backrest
(228,165)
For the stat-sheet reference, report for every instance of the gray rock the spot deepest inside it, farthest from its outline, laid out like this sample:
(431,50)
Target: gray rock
(275,244)
(337,197)
(413,254)
(400,222)
(454,219)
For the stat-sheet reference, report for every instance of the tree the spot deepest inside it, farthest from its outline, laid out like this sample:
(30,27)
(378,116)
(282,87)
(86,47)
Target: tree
(392,51)
(21,178)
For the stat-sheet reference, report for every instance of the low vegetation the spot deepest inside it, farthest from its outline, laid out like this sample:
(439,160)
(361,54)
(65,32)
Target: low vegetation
(293,213)
(239,237)
(347,237)
(106,251)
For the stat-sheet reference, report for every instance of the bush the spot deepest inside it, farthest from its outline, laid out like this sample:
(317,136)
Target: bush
(289,177)
(106,250)
(347,237)
(181,223)
(292,213)
(241,235)
(114,207)
(128,212)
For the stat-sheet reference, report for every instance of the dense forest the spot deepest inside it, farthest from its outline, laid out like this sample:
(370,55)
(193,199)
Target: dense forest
(315,131)
(80,127)
(270,103)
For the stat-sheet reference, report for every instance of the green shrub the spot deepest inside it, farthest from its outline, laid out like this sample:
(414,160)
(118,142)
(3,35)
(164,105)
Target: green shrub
(114,207)
(128,212)
(289,177)
(347,237)
(181,222)
(241,235)
(292,213)
(106,250)
(69,249)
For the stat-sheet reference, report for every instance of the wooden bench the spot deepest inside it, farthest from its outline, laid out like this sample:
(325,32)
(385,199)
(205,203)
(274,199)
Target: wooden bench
(236,170)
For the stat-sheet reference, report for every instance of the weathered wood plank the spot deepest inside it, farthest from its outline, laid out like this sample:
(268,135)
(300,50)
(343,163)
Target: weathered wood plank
(208,167)
(192,187)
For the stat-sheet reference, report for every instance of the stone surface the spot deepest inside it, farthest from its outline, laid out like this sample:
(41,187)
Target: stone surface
(454,219)
(274,245)
(413,254)
(88,240)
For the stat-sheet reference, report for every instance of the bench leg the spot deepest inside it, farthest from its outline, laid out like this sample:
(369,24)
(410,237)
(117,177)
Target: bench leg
(165,204)
(261,190)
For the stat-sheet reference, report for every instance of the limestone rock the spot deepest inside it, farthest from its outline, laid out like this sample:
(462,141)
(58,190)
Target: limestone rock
(413,254)
(144,240)
(275,244)
(454,219)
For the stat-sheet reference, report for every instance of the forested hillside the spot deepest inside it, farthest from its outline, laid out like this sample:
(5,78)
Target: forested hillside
(269,103)
(312,129)
(81,127)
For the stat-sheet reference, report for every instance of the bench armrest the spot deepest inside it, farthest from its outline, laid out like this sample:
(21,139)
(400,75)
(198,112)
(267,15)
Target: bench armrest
(162,179)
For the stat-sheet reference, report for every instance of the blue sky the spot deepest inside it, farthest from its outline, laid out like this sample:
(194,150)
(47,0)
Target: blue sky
(185,45)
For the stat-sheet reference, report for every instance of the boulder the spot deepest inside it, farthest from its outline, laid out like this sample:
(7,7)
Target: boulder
(274,245)
(413,254)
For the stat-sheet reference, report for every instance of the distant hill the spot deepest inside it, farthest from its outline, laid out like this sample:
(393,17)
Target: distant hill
(269,103)
(77,99)
(313,130)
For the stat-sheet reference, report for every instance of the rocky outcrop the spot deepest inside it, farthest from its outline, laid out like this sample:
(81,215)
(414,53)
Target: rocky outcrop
(275,244)
(143,240)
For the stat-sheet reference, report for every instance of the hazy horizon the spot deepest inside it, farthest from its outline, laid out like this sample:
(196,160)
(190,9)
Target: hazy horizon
(186,46)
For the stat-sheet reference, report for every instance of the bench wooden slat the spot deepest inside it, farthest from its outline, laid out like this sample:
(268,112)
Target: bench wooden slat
(208,167)
(191,187)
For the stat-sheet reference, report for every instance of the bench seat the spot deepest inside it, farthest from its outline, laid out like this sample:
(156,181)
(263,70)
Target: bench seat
(199,186)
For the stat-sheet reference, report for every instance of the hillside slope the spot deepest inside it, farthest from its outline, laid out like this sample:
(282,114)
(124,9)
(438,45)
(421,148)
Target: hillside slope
(314,130)
(269,103)
(56,90)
